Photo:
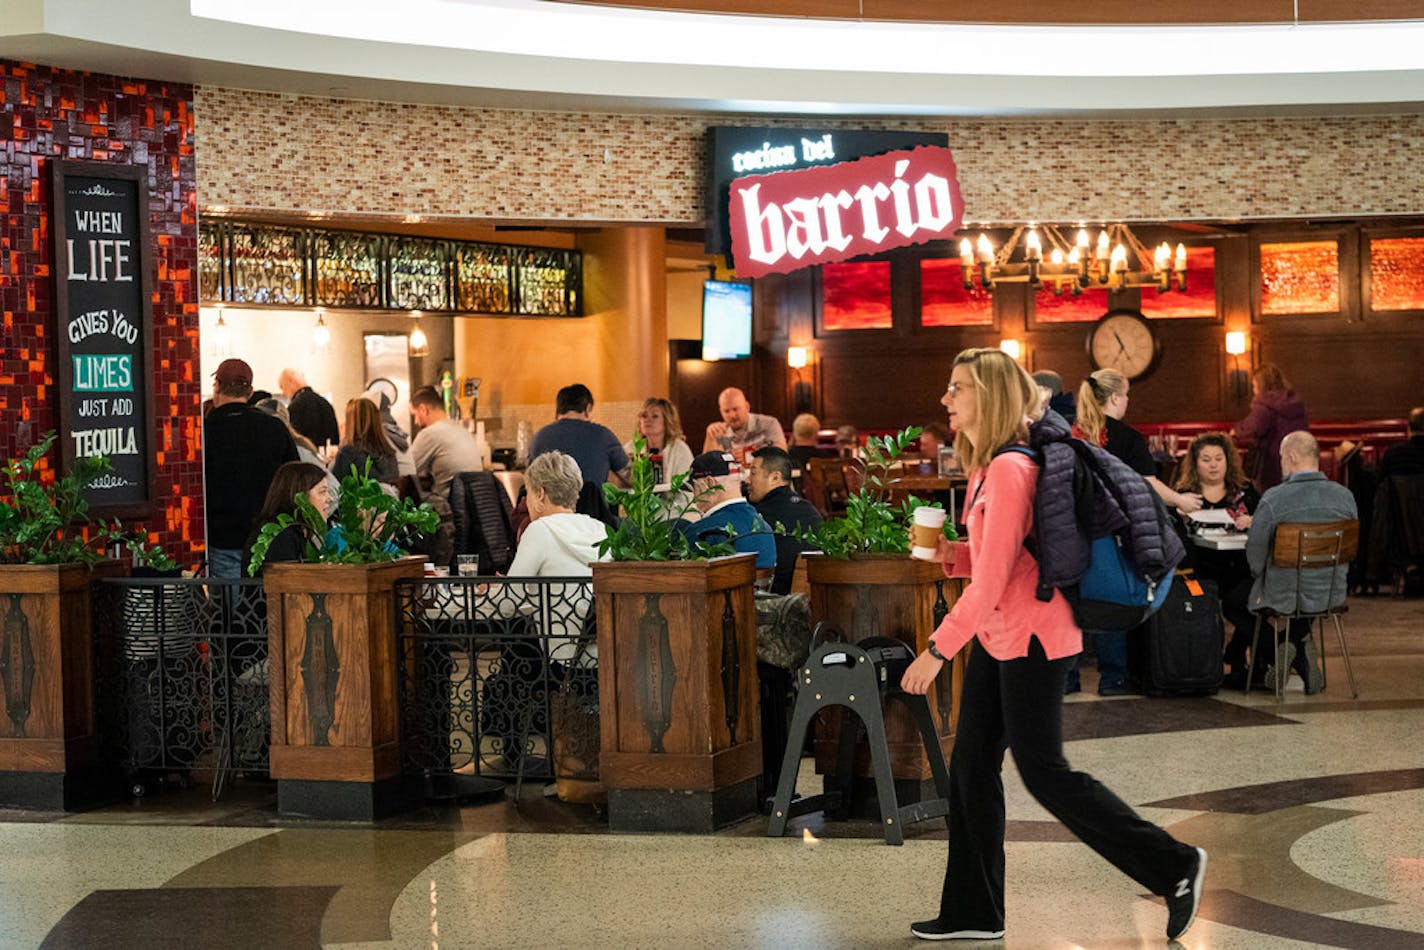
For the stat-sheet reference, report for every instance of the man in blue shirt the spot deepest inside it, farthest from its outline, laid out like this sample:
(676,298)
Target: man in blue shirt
(1305,495)
(717,482)
(573,432)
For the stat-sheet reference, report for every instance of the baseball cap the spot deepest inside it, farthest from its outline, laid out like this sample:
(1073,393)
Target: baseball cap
(233,371)
(713,464)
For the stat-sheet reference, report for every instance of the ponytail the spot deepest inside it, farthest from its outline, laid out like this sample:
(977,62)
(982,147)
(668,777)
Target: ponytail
(1092,397)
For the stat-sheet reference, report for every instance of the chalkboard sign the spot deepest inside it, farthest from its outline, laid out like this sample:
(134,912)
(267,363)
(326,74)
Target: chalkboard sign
(104,328)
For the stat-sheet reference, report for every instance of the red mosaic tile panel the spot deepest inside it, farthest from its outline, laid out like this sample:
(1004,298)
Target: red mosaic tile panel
(856,296)
(48,113)
(1198,300)
(1300,277)
(1397,274)
(945,303)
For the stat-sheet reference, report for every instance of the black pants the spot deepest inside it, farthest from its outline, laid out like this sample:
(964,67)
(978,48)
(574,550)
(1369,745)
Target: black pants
(1018,705)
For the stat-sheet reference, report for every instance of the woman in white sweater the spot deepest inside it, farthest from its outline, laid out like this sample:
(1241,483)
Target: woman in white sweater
(559,542)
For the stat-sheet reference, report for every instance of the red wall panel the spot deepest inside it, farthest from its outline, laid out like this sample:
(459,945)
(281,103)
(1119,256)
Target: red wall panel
(48,113)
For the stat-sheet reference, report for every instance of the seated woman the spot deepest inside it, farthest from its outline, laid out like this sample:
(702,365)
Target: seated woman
(559,542)
(1212,468)
(289,481)
(366,441)
(659,424)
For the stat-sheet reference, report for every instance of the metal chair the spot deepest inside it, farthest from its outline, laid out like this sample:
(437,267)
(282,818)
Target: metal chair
(1302,547)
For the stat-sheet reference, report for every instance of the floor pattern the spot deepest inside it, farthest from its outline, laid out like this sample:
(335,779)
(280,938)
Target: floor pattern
(1312,811)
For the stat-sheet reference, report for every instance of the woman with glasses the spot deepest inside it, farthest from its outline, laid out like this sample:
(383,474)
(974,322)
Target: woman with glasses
(1102,402)
(1013,682)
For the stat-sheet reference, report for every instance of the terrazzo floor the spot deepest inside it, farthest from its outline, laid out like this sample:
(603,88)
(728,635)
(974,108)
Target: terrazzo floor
(1312,811)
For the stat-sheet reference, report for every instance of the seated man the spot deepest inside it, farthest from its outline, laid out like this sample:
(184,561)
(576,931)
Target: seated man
(442,448)
(717,483)
(769,488)
(805,430)
(1305,495)
(741,431)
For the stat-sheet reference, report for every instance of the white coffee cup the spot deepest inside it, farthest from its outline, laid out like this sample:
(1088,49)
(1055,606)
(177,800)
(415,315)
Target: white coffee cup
(926,532)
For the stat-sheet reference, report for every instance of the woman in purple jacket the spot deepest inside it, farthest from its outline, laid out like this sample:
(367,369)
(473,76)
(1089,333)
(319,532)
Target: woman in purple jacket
(1276,411)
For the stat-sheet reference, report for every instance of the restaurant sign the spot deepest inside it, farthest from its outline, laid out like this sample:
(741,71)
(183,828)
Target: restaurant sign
(105,327)
(788,220)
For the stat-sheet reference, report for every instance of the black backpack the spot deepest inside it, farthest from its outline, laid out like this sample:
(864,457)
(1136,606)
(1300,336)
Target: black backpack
(1123,584)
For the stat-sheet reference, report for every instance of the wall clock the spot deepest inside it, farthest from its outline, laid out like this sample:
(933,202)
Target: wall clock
(1126,341)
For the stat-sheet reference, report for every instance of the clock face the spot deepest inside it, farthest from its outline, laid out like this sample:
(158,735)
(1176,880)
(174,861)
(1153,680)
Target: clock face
(1123,340)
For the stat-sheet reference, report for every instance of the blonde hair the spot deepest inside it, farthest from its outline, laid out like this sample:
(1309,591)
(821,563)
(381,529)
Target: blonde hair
(1093,395)
(1007,396)
(805,426)
(672,422)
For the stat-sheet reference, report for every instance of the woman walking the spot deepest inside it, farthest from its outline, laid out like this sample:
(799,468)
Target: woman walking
(1013,684)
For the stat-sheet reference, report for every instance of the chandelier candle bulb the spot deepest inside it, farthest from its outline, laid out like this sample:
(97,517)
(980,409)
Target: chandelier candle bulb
(1033,249)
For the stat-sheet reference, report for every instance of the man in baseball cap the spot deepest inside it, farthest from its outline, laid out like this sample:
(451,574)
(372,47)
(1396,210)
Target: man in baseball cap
(242,449)
(233,373)
(716,483)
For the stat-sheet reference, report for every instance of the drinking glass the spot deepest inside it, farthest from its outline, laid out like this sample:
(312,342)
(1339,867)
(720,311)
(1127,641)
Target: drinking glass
(440,571)
(468,564)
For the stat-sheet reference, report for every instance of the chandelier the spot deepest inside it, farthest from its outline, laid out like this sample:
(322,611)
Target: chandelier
(1115,261)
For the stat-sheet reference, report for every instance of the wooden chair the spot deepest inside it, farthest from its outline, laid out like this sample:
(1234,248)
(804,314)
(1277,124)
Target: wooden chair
(1300,547)
(825,485)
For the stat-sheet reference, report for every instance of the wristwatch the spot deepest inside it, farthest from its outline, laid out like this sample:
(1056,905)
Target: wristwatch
(934,652)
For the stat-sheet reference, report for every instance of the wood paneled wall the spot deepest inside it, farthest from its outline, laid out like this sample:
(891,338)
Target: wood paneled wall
(1351,364)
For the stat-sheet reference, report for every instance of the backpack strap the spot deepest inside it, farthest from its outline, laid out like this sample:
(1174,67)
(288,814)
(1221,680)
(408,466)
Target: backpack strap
(1030,543)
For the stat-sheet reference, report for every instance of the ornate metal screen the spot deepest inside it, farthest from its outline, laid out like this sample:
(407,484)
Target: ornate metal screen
(180,673)
(347,269)
(498,676)
(419,274)
(269,265)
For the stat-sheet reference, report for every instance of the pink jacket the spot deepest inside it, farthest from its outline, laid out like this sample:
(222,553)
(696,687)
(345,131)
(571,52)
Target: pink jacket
(1000,605)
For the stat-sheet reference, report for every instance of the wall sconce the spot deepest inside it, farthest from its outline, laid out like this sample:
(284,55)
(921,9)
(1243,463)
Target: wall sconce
(321,335)
(798,358)
(1012,347)
(419,345)
(1238,380)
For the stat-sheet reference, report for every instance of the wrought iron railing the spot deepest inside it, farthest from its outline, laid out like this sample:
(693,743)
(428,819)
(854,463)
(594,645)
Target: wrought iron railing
(180,676)
(498,677)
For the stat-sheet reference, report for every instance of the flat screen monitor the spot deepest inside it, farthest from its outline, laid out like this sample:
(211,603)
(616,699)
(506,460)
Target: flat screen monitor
(726,320)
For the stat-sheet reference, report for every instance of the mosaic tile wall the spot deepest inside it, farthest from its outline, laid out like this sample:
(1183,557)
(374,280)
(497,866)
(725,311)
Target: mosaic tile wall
(345,155)
(50,113)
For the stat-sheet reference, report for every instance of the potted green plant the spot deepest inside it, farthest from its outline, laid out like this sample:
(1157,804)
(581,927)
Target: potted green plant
(49,557)
(335,727)
(680,735)
(864,581)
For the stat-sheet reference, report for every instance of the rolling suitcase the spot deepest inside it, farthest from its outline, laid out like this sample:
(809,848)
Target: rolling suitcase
(1179,649)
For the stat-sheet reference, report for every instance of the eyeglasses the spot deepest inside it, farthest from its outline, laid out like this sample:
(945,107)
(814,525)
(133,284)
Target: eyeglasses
(954,389)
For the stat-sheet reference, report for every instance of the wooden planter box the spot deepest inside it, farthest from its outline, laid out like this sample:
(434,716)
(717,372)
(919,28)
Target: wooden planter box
(48,748)
(888,596)
(681,727)
(335,710)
